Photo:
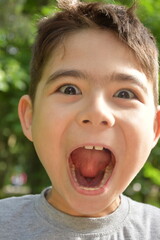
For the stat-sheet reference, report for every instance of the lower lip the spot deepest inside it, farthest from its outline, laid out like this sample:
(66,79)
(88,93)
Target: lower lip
(80,190)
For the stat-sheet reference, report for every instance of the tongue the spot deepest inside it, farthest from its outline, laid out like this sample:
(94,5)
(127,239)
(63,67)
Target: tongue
(90,162)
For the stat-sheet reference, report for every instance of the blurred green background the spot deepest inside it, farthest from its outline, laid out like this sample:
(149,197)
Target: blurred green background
(20,169)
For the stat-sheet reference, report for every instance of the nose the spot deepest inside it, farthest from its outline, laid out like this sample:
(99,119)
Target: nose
(96,112)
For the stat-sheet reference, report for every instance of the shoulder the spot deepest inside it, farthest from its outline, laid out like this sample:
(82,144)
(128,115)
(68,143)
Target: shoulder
(16,215)
(9,204)
(144,218)
(16,207)
(144,210)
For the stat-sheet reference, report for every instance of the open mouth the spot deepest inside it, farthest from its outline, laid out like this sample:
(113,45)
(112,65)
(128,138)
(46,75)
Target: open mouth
(91,167)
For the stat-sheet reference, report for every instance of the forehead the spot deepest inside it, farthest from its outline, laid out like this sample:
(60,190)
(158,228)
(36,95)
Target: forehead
(94,51)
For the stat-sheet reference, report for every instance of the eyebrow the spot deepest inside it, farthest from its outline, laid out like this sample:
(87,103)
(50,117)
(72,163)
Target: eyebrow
(65,73)
(115,77)
(122,77)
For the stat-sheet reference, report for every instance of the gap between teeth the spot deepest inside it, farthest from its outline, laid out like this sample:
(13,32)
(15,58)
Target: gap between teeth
(99,148)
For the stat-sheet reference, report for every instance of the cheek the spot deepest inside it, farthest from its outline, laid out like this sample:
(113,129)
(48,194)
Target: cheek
(139,133)
(47,136)
(49,128)
(49,119)
(138,145)
(141,123)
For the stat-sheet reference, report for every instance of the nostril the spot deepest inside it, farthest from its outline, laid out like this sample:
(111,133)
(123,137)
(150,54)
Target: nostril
(104,122)
(86,121)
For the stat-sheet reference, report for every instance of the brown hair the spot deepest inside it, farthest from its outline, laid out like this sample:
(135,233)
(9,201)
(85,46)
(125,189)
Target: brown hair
(74,17)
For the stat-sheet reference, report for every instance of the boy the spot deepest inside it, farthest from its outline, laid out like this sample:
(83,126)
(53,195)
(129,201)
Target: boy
(93,117)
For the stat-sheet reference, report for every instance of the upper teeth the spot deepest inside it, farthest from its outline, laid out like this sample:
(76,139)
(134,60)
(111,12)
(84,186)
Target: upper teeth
(99,148)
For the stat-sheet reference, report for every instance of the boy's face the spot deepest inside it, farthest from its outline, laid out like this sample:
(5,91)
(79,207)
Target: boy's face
(93,96)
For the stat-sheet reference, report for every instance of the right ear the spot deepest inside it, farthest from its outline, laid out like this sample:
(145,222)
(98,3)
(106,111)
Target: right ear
(25,112)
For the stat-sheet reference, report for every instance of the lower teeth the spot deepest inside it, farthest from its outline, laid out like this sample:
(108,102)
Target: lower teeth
(90,189)
(108,172)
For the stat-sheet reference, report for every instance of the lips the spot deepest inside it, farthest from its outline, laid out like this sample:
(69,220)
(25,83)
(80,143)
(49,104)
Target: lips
(91,167)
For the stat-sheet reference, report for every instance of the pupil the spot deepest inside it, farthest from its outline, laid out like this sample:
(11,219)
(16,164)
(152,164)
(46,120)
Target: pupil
(124,94)
(70,91)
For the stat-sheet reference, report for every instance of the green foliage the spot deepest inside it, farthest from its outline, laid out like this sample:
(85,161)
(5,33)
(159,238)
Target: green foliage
(152,173)
(18,26)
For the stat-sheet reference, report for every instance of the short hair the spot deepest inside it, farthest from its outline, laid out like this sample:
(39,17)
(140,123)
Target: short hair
(74,17)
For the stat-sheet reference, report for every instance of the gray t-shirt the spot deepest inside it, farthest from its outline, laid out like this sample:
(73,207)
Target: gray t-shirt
(31,217)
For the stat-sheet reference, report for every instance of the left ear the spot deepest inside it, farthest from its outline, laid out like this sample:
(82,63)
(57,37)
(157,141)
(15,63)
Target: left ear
(157,126)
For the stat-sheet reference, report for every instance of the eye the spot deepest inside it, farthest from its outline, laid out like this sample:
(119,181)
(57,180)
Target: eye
(125,94)
(69,90)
